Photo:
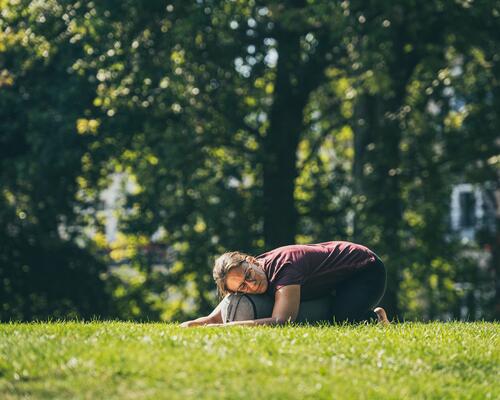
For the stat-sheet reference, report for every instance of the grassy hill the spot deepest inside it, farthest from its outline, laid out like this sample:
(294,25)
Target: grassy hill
(114,360)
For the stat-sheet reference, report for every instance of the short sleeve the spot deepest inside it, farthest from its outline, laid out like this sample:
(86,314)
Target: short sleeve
(289,274)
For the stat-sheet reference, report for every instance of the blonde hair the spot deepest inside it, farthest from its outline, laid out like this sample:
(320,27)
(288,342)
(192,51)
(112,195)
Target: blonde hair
(225,263)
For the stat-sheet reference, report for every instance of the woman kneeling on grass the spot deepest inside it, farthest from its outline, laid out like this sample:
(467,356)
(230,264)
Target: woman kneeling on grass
(294,273)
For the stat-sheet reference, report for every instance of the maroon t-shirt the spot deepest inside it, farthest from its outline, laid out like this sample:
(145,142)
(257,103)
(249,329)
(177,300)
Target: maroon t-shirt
(316,267)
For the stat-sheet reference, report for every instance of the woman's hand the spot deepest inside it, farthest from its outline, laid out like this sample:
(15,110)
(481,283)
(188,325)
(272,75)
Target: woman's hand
(202,321)
(215,317)
(190,324)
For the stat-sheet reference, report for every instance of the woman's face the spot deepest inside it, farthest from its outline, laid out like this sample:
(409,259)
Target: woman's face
(247,278)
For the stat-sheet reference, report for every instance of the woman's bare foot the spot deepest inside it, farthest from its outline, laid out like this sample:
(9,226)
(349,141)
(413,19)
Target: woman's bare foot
(382,316)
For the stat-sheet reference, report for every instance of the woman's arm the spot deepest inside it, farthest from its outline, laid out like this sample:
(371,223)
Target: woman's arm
(286,308)
(215,317)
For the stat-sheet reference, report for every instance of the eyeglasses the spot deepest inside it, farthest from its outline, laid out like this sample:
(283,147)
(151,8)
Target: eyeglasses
(246,279)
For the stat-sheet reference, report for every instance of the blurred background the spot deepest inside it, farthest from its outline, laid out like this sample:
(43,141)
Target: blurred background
(141,139)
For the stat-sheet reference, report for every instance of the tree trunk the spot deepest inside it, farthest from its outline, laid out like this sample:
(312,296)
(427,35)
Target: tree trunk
(376,144)
(495,257)
(280,146)
(386,205)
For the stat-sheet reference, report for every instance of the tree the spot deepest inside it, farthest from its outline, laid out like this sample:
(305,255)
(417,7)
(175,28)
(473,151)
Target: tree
(43,272)
(245,125)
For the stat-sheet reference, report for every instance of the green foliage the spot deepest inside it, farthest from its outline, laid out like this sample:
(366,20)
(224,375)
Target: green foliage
(43,272)
(242,125)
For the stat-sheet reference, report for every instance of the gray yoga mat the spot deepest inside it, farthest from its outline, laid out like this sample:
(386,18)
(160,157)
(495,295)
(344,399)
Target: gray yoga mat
(238,307)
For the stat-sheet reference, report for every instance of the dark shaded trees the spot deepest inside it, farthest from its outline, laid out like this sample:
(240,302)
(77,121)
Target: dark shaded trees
(243,125)
(43,273)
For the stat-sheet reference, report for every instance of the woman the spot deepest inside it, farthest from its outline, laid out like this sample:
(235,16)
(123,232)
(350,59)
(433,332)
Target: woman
(293,273)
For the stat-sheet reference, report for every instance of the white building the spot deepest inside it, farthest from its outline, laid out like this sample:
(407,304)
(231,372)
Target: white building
(473,208)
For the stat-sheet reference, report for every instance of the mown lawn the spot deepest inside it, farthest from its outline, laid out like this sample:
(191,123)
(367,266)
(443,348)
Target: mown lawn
(114,360)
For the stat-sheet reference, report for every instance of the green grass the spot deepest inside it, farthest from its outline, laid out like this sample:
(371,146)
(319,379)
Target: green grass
(115,360)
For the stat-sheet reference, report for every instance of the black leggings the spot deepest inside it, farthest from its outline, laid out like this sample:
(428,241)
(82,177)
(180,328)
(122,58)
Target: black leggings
(355,298)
